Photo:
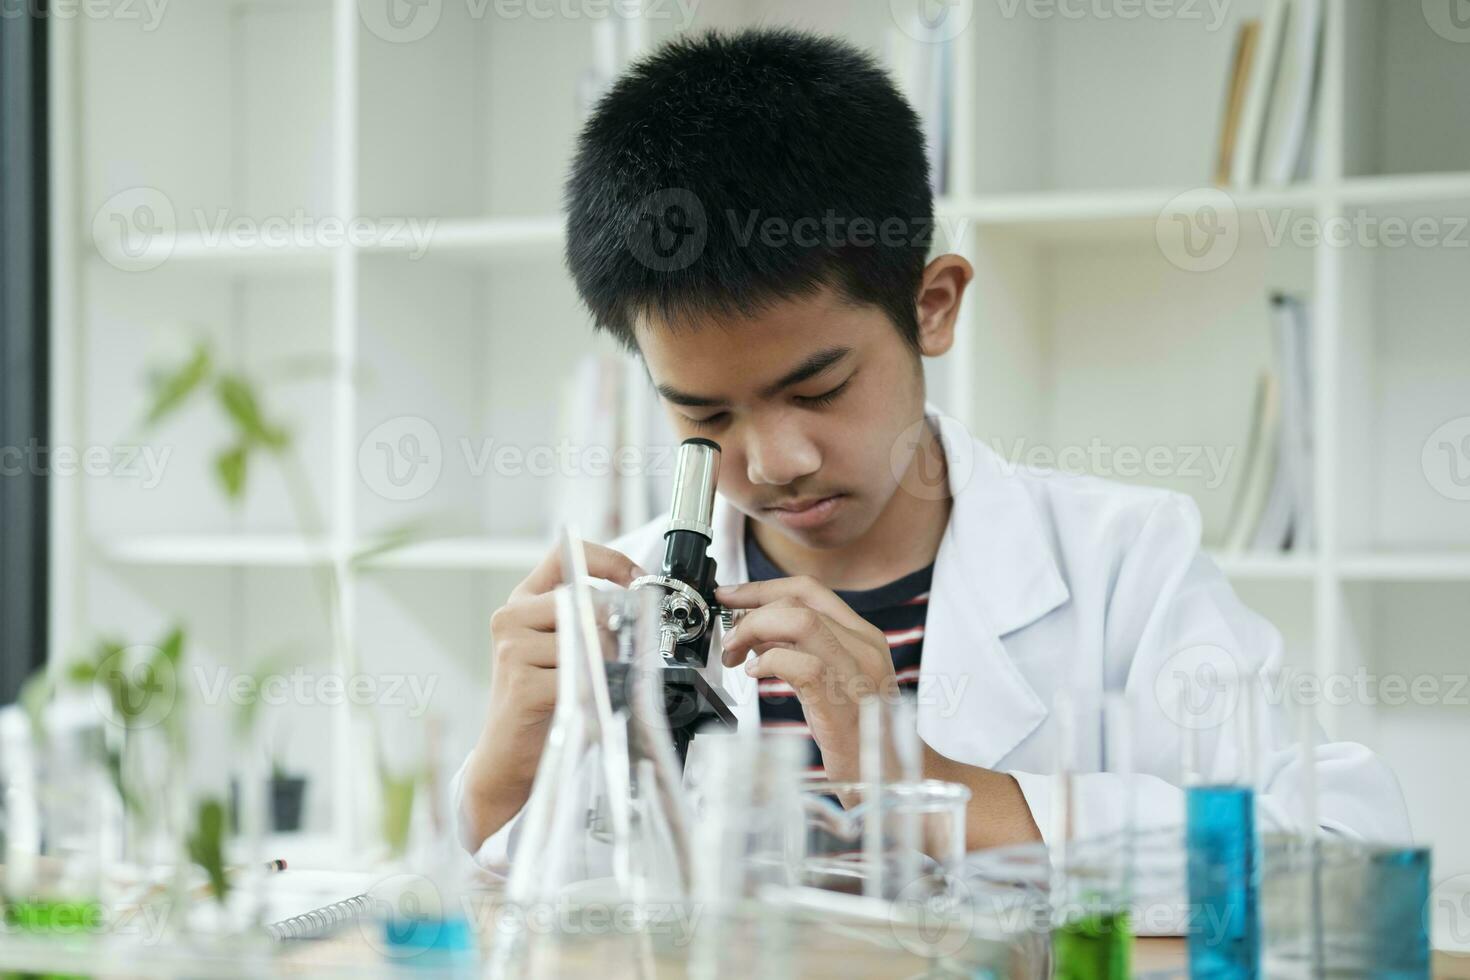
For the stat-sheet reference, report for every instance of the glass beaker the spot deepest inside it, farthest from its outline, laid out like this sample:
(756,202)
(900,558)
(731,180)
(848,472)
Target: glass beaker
(55,786)
(749,834)
(898,838)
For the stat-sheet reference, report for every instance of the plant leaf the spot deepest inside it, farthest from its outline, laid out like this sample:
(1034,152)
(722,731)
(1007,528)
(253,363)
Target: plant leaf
(172,647)
(81,672)
(391,540)
(171,390)
(206,845)
(240,403)
(230,467)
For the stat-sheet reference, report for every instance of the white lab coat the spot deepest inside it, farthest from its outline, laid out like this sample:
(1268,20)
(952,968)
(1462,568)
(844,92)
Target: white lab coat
(1047,581)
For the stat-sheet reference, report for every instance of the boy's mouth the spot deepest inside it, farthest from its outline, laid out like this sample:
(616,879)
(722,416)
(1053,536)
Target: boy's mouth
(806,512)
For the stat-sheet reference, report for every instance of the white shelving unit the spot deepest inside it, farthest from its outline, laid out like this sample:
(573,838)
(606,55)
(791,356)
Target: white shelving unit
(1071,138)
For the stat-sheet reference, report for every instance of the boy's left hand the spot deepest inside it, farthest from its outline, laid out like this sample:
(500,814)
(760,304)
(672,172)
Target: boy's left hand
(802,634)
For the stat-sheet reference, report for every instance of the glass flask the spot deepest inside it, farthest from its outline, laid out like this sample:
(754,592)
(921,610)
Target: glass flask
(601,875)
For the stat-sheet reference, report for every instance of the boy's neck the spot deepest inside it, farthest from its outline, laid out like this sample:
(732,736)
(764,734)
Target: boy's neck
(904,538)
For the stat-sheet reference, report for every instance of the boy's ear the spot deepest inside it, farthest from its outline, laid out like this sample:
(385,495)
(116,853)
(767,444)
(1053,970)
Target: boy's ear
(940,292)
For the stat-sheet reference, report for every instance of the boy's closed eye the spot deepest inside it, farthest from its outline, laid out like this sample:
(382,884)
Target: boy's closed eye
(819,400)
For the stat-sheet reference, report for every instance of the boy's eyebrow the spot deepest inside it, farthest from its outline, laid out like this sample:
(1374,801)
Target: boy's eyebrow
(813,365)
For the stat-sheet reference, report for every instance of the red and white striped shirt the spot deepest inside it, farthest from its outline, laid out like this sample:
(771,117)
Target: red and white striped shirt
(898,609)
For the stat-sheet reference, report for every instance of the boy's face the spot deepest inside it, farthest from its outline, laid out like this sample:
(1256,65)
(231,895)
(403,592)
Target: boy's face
(807,401)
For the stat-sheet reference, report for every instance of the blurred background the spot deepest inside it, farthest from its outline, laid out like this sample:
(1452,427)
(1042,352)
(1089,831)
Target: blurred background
(292,362)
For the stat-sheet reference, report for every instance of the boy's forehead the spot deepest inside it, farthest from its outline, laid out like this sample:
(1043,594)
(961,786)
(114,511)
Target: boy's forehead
(759,347)
(721,360)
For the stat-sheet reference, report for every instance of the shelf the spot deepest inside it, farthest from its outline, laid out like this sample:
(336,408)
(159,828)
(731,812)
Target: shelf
(1057,216)
(482,238)
(484,553)
(1122,214)
(1407,189)
(1107,215)
(287,551)
(197,250)
(1265,567)
(223,550)
(1447,566)
(472,239)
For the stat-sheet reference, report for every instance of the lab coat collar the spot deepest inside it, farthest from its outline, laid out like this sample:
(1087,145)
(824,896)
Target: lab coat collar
(995,573)
(996,534)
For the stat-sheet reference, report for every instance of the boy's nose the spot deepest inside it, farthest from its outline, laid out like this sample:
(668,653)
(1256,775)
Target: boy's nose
(779,456)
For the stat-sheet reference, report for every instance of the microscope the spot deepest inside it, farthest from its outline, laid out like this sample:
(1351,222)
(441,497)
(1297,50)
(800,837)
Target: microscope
(687,608)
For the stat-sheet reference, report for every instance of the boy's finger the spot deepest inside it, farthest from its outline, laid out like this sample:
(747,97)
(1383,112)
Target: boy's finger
(532,612)
(802,588)
(602,562)
(795,667)
(796,626)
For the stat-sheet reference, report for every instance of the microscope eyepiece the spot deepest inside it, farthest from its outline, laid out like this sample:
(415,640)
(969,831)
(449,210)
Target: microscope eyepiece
(696,471)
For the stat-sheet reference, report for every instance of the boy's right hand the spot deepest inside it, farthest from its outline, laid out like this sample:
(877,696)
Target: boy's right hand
(523,692)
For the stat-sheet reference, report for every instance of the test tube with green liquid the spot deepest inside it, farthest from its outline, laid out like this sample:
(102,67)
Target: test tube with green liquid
(1092,934)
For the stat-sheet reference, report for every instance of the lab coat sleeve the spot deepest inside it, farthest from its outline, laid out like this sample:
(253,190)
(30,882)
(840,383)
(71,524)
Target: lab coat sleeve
(494,852)
(1176,638)
(497,850)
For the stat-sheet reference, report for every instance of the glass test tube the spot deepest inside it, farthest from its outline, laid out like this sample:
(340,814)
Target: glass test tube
(1223,855)
(1092,936)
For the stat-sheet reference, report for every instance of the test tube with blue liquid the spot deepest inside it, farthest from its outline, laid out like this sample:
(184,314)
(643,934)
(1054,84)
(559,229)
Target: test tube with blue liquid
(1092,935)
(1223,854)
(1365,901)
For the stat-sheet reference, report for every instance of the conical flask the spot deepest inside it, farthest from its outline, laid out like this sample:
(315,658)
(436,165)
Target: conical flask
(601,873)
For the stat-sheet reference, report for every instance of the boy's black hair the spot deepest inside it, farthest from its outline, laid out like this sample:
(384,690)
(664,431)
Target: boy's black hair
(729,170)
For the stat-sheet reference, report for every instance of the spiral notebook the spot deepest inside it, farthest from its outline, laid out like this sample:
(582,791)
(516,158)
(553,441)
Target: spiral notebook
(322,921)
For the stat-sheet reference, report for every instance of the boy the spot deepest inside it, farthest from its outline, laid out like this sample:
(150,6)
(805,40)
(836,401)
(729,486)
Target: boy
(750,213)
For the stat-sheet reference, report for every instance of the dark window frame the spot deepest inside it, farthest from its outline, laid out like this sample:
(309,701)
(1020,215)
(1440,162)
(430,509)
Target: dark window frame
(24,347)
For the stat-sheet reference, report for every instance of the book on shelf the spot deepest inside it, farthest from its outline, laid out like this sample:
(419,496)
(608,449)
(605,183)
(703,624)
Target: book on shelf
(1271,96)
(1273,509)
(1285,142)
(1258,94)
(1259,464)
(1246,40)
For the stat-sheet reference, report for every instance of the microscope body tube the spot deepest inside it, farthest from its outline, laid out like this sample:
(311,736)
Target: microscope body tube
(689,608)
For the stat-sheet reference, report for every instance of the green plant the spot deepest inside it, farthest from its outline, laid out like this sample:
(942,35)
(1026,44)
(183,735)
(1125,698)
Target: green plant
(132,679)
(255,433)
